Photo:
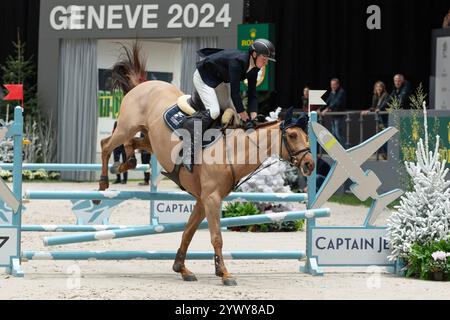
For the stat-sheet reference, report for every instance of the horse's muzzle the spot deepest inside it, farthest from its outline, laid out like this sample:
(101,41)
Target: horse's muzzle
(307,167)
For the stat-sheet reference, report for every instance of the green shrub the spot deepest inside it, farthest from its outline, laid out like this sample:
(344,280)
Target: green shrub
(420,263)
(28,175)
(238,209)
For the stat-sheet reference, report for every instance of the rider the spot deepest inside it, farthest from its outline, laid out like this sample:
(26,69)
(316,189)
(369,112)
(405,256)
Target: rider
(230,67)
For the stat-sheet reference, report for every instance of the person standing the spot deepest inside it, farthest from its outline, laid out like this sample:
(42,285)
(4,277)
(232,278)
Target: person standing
(402,91)
(120,151)
(380,99)
(336,101)
(145,159)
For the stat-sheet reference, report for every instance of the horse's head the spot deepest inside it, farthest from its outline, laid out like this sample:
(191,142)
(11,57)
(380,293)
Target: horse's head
(295,142)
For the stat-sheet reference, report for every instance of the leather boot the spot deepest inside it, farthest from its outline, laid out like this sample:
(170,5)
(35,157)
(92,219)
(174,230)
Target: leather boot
(196,125)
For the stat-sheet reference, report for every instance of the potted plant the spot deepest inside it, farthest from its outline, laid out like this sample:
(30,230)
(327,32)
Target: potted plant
(430,261)
(439,266)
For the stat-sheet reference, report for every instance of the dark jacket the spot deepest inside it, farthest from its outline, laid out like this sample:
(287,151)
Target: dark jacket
(380,103)
(305,102)
(230,66)
(402,95)
(336,101)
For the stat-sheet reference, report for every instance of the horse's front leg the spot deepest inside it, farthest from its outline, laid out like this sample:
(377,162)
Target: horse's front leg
(212,210)
(196,217)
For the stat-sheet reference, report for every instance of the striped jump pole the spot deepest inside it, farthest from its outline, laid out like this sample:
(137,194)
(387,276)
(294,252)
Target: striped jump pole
(66,166)
(72,228)
(276,217)
(158,255)
(145,195)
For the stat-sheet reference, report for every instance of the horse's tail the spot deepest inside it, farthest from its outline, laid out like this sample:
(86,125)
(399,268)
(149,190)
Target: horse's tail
(129,71)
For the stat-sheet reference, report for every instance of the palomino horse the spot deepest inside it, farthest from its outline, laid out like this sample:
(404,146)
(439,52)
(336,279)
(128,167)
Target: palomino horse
(142,109)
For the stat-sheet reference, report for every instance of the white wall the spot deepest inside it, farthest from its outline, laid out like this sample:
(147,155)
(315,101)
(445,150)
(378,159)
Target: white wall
(163,55)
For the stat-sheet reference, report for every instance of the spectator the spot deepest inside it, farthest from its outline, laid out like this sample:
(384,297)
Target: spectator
(380,99)
(336,101)
(145,159)
(305,101)
(120,150)
(446,22)
(402,91)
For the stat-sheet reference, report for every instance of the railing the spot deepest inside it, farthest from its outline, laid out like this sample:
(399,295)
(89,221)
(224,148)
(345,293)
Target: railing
(367,128)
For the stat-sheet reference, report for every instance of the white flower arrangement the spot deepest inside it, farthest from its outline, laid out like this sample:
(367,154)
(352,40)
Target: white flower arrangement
(440,255)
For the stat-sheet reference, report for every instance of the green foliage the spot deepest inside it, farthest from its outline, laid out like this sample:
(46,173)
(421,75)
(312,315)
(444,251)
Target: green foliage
(421,264)
(409,140)
(19,70)
(38,126)
(29,175)
(418,98)
(238,209)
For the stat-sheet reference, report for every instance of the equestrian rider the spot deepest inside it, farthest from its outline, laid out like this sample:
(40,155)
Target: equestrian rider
(228,67)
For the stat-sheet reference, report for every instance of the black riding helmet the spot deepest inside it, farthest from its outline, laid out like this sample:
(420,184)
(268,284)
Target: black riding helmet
(264,47)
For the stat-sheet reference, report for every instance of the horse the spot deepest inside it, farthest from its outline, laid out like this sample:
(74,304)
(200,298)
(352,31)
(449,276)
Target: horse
(142,110)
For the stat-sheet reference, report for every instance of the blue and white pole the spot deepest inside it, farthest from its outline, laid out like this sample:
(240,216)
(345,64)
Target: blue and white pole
(159,255)
(17,128)
(277,217)
(311,265)
(143,195)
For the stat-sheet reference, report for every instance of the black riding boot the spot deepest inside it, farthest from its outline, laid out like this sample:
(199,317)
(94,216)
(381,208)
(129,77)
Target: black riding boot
(202,120)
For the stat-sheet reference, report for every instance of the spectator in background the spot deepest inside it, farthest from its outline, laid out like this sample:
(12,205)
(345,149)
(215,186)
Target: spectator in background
(336,101)
(380,99)
(402,91)
(446,22)
(305,101)
(120,150)
(145,159)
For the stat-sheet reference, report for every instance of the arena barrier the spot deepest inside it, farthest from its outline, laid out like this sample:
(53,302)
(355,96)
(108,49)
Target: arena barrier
(363,245)
(11,253)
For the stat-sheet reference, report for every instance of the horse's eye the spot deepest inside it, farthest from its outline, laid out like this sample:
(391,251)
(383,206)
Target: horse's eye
(293,135)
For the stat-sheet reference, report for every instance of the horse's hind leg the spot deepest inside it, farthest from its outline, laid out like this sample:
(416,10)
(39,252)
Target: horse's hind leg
(106,154)
(130,162)
(196,217)
(120,136)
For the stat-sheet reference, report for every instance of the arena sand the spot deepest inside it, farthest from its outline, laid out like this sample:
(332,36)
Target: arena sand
(257,279)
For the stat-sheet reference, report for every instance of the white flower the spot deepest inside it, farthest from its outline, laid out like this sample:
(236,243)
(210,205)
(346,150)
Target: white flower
(440,255)
(273,115)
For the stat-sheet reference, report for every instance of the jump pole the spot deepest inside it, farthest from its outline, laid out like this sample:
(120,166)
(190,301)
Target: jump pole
(176,227)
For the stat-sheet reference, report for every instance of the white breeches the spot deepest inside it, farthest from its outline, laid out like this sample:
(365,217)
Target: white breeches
(214,99)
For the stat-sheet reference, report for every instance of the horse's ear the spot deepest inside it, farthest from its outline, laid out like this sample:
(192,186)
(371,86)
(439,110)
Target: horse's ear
(302,121)
(288,117)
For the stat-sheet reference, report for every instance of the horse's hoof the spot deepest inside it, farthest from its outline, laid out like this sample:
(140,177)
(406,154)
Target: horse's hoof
(115,168)
(229,282)
(189,277)
(96,202)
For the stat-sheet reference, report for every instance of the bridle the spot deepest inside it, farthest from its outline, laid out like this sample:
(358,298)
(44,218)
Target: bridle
(292,154)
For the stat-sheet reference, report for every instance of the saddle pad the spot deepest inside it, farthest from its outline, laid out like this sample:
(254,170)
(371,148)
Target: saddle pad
(174,117)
